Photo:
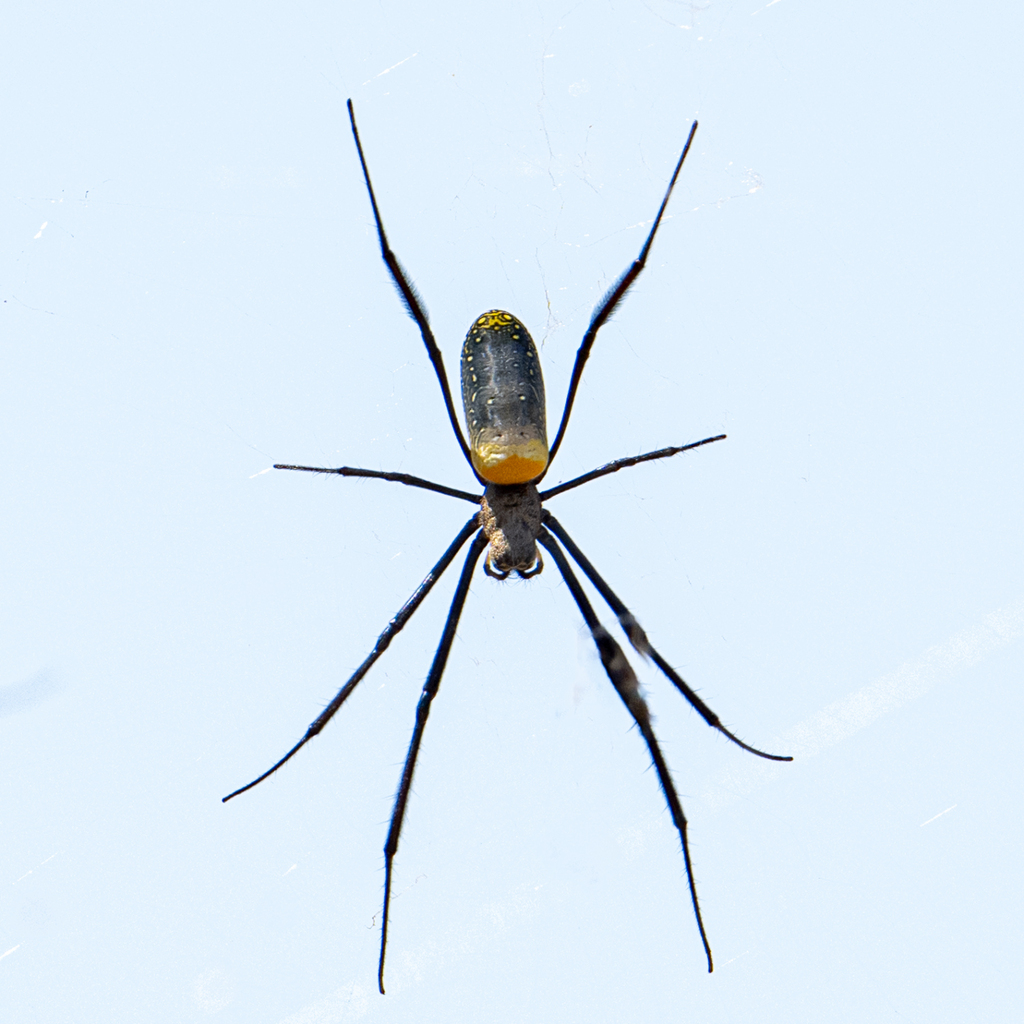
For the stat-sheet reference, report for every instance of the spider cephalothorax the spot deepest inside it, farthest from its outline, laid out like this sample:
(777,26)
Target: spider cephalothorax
(510,517)
(503,396)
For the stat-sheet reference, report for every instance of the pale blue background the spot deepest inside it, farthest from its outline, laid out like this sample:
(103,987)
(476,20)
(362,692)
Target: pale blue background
(838,287)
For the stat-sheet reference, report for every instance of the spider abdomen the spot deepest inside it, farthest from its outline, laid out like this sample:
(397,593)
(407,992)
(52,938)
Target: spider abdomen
(503,395)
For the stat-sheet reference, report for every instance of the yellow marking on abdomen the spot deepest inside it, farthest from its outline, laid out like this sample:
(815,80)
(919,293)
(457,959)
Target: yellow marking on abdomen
(511,463)
(495,318)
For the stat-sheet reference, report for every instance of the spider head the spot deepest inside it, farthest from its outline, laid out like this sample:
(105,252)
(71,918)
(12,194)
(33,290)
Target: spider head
(510,517)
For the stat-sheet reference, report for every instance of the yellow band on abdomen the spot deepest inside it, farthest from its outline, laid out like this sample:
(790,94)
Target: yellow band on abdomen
(511,463)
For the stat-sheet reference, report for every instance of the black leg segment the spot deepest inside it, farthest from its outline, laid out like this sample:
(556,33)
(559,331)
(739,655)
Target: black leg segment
(430,688)
(377,474)
(638,638)
(620,672)
(383,641)
(612,298)
(611,467)
(410,299)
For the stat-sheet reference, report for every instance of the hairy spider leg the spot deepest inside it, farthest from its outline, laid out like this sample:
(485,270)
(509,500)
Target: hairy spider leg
(395,626)
(638,638)
(430,688)
(614,467)
(376,474)
(621,674)
(612,298)
(410,299)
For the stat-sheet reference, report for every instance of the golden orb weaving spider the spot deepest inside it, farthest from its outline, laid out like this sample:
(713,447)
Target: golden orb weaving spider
(503,397)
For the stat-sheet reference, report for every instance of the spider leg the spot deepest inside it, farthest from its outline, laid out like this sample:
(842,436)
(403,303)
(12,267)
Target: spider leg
(410,299)
(620,672)
(612,298)
(394,626)
(401,478)
(638,638)
(430,688)
(610,467)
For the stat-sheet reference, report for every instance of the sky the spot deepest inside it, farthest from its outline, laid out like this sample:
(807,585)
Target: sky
(191,291)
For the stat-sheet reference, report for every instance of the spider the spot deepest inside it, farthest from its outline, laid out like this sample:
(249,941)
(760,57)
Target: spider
(508,453)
